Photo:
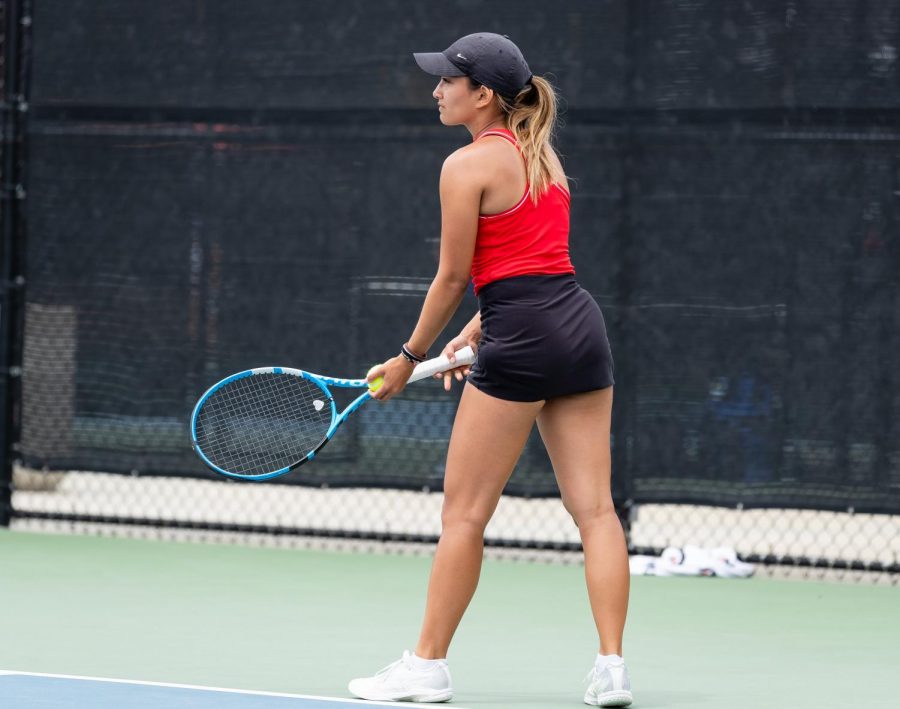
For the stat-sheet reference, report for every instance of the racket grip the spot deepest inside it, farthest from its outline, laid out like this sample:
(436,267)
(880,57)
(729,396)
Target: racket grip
(441,364)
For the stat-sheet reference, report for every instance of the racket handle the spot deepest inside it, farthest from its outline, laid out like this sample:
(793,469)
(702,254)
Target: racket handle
(441,364)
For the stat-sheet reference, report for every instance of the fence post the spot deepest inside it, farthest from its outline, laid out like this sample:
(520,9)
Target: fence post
(15,28)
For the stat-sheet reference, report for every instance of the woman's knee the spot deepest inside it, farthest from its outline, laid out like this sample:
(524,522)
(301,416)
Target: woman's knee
(464,516)
(586,516)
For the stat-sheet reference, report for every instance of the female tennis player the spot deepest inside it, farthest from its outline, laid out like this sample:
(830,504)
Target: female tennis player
(543,356)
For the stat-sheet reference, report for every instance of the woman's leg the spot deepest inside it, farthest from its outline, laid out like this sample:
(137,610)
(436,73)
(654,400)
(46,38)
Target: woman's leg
(488,437)
(575,430)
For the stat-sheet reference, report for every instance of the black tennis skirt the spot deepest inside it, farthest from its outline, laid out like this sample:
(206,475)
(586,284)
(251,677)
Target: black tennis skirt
(543,336)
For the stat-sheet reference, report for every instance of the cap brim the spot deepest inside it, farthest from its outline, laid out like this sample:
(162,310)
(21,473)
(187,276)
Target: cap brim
(436,64)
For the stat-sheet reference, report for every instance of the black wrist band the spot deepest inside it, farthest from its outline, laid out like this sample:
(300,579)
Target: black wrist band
(410,355)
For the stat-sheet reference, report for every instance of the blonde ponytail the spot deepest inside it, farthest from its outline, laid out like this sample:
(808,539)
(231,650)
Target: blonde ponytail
(531,116)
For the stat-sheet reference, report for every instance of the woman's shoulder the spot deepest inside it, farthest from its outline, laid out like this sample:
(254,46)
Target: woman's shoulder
(474,160)
(486,148)
(486,155)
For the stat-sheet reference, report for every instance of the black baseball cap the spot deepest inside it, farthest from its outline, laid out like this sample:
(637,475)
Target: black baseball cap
(490,59)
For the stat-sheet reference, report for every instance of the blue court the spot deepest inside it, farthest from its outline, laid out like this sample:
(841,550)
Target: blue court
(24,690)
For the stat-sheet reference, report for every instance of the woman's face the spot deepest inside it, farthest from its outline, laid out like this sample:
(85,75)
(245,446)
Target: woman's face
(457,100)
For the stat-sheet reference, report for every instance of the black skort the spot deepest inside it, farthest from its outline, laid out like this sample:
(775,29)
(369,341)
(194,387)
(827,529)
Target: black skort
(543,336)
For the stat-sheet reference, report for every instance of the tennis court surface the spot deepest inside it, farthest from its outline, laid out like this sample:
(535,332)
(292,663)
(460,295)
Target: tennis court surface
(288,628)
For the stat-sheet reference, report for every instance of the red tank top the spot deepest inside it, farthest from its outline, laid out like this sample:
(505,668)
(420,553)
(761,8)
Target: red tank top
(526,239)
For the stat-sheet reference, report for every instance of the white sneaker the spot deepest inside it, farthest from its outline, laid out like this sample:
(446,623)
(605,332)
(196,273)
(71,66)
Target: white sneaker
(609,686)
(401,681)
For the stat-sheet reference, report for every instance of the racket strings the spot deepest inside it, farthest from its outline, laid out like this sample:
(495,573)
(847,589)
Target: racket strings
(263,423)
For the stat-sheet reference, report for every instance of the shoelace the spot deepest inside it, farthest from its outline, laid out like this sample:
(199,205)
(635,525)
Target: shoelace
(405,660)
(594,674)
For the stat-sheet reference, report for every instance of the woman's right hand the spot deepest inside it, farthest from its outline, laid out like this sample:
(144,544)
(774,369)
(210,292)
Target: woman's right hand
(457,343)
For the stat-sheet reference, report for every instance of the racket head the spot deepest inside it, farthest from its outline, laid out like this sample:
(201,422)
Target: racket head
(262,423)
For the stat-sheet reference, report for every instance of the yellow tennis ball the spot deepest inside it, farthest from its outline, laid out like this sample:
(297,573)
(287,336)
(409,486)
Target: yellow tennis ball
(376,383)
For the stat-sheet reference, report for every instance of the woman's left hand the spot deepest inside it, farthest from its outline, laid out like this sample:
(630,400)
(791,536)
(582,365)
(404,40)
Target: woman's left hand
(396,373)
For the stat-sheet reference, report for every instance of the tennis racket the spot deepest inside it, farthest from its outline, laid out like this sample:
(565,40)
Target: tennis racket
(262,423)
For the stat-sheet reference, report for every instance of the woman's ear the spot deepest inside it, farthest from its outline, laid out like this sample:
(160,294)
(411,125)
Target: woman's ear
(485,96)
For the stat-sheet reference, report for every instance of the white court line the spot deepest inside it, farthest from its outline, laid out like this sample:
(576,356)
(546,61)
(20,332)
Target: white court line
(218,689)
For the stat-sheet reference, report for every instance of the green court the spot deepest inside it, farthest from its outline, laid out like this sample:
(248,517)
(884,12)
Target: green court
(304,622)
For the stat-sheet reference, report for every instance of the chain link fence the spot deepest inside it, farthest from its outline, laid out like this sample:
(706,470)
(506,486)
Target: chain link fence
(217,198)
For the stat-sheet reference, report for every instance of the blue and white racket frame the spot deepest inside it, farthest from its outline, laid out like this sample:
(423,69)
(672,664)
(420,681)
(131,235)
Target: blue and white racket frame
(323,382)
(465,356)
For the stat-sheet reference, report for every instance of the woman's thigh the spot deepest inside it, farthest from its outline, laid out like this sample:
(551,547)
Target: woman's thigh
(575,430)
(488,437)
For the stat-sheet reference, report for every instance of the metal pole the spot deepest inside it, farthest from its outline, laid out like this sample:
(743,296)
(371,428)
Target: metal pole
(17,24)
(623,326)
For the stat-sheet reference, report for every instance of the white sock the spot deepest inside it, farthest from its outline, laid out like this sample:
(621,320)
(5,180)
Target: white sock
(420,663)
(604,660)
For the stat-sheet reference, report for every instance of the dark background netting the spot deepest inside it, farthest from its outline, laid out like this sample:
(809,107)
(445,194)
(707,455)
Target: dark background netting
(214,186)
